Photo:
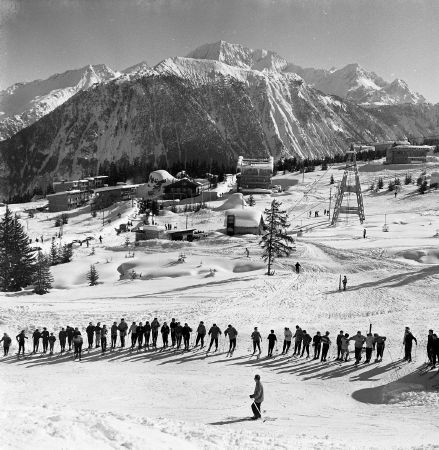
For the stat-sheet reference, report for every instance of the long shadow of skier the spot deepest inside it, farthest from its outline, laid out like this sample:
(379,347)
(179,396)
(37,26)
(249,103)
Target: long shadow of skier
(227,422)
(374,371)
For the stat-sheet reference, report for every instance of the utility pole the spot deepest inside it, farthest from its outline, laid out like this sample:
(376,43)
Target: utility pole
(103,214)
(330,198)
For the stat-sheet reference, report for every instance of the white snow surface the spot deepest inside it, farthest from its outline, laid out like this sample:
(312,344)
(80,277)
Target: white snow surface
(169,399)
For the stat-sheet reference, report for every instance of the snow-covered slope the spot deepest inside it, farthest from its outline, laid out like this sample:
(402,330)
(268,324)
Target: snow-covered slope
(24,103)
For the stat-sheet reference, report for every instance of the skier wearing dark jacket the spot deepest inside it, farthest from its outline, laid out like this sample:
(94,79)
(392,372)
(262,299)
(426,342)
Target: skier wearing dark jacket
(98,333)
(133,332)
(172,326)
(232,333)
(165,333)
(45,337)
(358,345)
(187,330)
(297,340)
(272,339)
(408,343)
(256,339)
(326,342)
(147,333)
(70,331)
(317,343)
(155,325)
(36,336)
(90,330)
(6,344)
(52,340)
(430,346)
(306,340)
(214,333)
(339,352)
(21,339)
(380,342)
(123,328)
(113,335)
(201,333)
(139,332)
(178,334)
(62,335)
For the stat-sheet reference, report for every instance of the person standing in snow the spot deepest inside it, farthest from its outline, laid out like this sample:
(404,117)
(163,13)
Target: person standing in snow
(100,239)
(155,325)
(430,346)
(297,340)
(345,282)
(214,333)
(364,233)
(6,343)
(258,398)
(98,332)
(147,333)
(359,340)
(104,333)
(247,252)
(298,266)
(187,330)
(172,326)
(133,332)
(178,334)
(90,330)
(165,333)
(21,339)
(70,331)
(380,344)
(317,343)
(77,344)
(113,335)
(201,333)
(52,340)
(232,333)
(408,343)
(272,339)
(123,327)
(36,336)
(256,338)
(435,350)
(369,347)
(62,336)
(306,341)
(287,340)
(339,353)
(345,347)
(45,337)
(139,332)
(326,342)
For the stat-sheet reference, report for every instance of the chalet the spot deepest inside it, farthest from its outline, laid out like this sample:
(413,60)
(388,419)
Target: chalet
(183,188)
(243,221)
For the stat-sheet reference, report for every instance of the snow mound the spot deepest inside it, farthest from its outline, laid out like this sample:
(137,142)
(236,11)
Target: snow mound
(234,201)
(429,256)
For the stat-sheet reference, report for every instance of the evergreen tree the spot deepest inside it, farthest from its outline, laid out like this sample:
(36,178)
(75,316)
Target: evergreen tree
(391,186)
(332,181)
(275,242)
(54,254)
(92,276)
(423,187)
(66,253)
(43,278)
(380,183)
(408,178)
(17,260)
(251,200)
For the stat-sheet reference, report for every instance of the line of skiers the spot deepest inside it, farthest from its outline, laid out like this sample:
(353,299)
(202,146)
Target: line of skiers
(145,336)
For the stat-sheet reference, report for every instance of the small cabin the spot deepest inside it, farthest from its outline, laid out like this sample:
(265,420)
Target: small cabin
(244,221)
(182,235)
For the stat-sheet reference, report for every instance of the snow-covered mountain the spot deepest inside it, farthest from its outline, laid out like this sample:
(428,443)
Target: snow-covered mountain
(24,103)
(351,82)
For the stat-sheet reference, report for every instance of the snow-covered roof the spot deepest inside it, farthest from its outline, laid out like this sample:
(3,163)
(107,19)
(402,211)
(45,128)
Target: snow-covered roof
(160,175)
(248,217)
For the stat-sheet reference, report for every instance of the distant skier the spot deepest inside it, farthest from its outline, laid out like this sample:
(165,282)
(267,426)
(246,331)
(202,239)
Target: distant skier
(232,333)
(133,332)
(345,282)
(98,333)
(326,342)
(288,336)
(52,340)
(214,333)
(306,340)
(408,343)
(178,334)
(258,398)
(380,342)
(104,333)
(147,333)
(435,349)
(139,332)
(256,338)
(90,330)
(430,346)
(172,326)
(123,327)
(364,233)
(359,340)
(6,343)
(69,331)
(164,330)
(36,336)
(187,330)
(21,339)
(113,335)
(345,347)
(77,344)
(247,252)
(62,336)
(298,266)
(339,352)
(100,239)
(369,347)
(45,338)
(297,340)
(155,325)
(272,339)
(201,333)
(317,343)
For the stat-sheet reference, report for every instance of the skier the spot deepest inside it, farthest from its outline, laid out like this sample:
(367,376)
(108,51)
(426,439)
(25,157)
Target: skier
(147,333)
(272,339)
(430,346)
(247,252)
(232,333)
(139,332)
(36,336)
(326,342)
(104,333)
(98,331)
(345,347)
(258,398)
(408,343)
(133,332)
(52,340)
(214,332)
(298,340)
(6,343)
(90,330)
(165,333)
(364,233)
(122,327)
(317,343)
(306,341)
(256,338)
(113,335)
(369,347)
(100,239)
(359,340)
(172,326)
(21,340)
(76,332)
(287,340)
(380,344)
(62,335)
(187,330)
(435,349)
(45,337)
(339,338)
(298,266)
(69,331)
(155,325)
(345,282)
(77,343)
(178,334)
(201,333)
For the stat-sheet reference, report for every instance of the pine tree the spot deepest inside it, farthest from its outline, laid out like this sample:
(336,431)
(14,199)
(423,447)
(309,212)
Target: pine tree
(380,183)
(54,254)
(92,276)
(66,253)
(251,200)
(332,181)
(43,278)
(17,259)
(408,178)
(275,242)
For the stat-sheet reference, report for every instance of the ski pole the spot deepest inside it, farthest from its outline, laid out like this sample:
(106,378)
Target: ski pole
(257,409)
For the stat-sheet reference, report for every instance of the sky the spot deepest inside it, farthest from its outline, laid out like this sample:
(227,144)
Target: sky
(394,38)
